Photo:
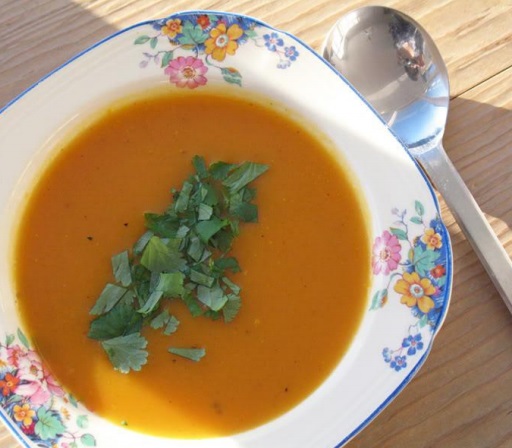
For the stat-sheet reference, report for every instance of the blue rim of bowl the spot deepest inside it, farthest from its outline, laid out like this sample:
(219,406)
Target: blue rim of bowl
(445,236)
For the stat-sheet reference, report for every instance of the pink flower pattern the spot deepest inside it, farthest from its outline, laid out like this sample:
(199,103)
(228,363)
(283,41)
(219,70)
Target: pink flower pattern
(187,72)
(386,253)
(29,385)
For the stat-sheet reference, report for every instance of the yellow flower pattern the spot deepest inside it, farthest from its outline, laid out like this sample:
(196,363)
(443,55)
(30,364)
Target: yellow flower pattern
(432,239)
(172,28)
(24,414)
(222,41)
(415,291)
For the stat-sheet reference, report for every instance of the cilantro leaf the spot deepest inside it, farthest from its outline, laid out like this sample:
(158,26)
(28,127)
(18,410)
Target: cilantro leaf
(220,170)
(164,225)
(171,284)
(183,197)
(171,326)
(183,254)
(243,175)
(201,279)
(192,304)
(231,308)
(209,195)
(127,352)
(161,257)
(108,298)
(160,320)
(233,286)
(120,321)
(205,212)
(207,229)
(194,354)
(140,245)
(214,297)
(152,302)
(225,263)
(121,268)
(200,166)
(195,248)
(245,211)
(164,319)
(224,240)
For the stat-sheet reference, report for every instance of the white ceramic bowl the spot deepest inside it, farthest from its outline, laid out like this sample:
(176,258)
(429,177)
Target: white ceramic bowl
(411,262)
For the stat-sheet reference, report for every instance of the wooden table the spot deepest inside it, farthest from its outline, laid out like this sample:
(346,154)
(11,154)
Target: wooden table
(462,397)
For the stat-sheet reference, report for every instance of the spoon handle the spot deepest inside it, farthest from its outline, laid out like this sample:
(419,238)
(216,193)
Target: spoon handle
(470,218)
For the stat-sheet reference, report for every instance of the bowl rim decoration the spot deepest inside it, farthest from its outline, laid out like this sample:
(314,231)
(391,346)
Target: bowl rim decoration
(411,261)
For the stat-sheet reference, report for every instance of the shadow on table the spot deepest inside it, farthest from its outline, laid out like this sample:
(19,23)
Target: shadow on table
(478,140)
(40,38)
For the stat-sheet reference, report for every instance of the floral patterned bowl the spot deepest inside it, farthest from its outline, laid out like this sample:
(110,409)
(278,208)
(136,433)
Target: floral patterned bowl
(411,261)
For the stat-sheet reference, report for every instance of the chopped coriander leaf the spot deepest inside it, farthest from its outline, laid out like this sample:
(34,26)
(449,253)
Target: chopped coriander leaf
(160,320)
(201,279)
(224,240)
(120,321)
(171,326)
(205,212)
(233,286)
(196,248)
(207,229)
(231,308)
(163,225)
(182,232)
(121,268)
(193,305)
(127,352)
(152,302)
(171,284)
(227,263)
(161,257)
(108,298)
(220,170)
(200,166)
(183,197)
(166,321)
(243,175)
(183,255)
(214,297)
(209,195)
(246,212)
(194,354)
(248,194)
(142,242)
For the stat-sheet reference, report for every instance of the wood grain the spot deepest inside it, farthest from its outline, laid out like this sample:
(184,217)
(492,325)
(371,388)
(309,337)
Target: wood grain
(462,397)
(474,37)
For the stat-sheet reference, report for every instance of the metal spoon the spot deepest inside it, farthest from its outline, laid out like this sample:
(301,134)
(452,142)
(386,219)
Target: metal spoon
(393,62)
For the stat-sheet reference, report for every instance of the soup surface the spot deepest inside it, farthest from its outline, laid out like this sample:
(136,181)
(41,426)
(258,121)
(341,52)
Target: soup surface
(305,264)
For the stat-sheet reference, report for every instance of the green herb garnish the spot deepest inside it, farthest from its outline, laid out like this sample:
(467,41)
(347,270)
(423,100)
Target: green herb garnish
(194,354)
(182,256)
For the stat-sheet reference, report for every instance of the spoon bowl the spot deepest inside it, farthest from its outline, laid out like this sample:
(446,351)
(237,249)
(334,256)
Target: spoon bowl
(395,65)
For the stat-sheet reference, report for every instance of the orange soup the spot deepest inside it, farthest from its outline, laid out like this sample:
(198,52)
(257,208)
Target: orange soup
(305,263)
